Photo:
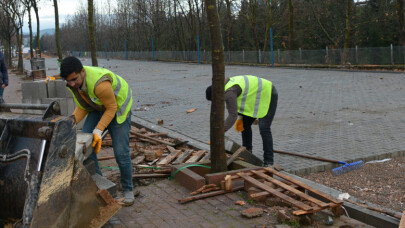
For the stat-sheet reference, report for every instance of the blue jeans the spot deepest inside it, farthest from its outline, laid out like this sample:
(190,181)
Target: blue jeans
(120,140)
(1,91)
(265,130)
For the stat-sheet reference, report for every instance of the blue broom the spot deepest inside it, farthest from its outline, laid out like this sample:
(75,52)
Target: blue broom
(347,167)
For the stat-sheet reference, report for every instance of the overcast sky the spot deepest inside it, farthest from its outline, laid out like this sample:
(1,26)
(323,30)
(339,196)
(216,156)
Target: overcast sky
(47,13)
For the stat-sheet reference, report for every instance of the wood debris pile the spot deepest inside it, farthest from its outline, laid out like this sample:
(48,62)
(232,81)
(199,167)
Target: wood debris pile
(152,153)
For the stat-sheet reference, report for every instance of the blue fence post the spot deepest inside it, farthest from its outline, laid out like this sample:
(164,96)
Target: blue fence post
(81,52)
(271,47)
(126,51)
(105,50)
(153,49)
(198,48)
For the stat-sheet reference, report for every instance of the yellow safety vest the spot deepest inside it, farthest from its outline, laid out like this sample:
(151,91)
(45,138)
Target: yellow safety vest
(122,92)
(254,101)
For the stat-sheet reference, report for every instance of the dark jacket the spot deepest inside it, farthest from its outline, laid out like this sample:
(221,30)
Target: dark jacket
(3,71)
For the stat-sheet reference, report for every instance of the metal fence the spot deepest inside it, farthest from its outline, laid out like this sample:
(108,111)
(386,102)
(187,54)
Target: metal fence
(392,55)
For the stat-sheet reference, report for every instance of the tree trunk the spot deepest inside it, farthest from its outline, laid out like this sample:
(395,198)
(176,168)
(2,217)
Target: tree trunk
(34,4)
(229,17)
(347,31)
(400,13)
(92,33)
(20,66)
(218,158)
(57,33)
(268,24)
(291,30)
(30,28)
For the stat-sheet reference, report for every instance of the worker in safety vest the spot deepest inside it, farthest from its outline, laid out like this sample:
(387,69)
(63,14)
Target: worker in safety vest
(106,99)
(248,98)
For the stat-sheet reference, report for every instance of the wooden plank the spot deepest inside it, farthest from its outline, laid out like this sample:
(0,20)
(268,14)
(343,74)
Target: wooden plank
(265,194)
(206,157)
(303,185)
(196,156)
(209,194)
(291,189)
(169,157)
(138,159)
(182,157)
(274,192)
(402,223)
(235,155)
(171,149)
(150,175)
(152,139)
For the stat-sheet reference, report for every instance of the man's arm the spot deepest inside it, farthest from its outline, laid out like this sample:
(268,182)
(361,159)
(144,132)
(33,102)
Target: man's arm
(79,114)
(231,102)
(105,93)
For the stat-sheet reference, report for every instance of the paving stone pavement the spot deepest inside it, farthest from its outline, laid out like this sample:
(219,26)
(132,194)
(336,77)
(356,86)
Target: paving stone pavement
(340,115)
(333,114)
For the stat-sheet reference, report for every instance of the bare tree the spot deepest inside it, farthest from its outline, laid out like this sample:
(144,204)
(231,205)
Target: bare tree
(7,32)
(35,6)
(92,33)
(347,31)
(218,158)
(16,12)
(27,4)
(57,32)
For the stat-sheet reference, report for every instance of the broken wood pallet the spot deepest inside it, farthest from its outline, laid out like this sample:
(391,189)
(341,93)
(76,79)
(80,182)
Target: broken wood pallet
(285,184)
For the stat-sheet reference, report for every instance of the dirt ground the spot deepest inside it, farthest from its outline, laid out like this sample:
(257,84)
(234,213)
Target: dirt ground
(380,183)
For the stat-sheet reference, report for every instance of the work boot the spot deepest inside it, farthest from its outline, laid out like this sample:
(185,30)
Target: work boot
(128,198)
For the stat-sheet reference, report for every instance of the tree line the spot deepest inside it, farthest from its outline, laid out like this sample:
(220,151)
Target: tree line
(175,25)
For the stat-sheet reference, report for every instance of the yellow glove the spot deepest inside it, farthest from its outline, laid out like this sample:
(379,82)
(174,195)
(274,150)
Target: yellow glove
(239,124)
(97,140)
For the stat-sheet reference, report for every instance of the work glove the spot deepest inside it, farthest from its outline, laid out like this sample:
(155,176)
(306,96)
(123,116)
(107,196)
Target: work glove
(239,124)
(97,140)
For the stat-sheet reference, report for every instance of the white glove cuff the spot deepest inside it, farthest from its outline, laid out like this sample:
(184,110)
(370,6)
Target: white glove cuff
(97,132)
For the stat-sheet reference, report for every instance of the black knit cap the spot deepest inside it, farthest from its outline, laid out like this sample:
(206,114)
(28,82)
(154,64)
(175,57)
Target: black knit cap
(208,93)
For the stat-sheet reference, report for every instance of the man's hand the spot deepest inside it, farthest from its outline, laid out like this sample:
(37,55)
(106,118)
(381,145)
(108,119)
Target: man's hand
(97,140)
(239,124)
(3,86)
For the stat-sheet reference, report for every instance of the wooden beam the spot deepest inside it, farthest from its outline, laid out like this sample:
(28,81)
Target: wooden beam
(150,175)
(182,157)
(206,157)
(303,185)
(291,189)
(209,194)
(235,155)
(169,157)
(274,192)
(152,139)
(196,156)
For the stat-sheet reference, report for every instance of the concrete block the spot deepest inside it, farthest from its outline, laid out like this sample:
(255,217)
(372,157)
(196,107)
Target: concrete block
(83,146)
(104,183)
(34,90)
(61,90)
(51,87)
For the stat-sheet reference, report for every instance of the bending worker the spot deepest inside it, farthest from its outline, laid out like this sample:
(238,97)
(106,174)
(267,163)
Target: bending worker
(248,98)
(106,99)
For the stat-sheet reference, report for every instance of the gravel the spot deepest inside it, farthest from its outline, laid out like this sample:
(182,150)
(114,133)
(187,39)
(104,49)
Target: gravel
(381,183)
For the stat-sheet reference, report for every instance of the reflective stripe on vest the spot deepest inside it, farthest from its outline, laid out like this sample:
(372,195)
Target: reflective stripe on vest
(254,101)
